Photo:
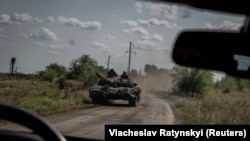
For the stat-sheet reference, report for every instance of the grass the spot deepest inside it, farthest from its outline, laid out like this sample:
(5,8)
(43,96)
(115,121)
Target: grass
(45,104)
(45,98)
(215,108)
(41,97)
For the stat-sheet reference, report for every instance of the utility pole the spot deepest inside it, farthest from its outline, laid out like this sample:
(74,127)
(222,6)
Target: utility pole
(12,63)
(129,59)
(16,73)
(108,62)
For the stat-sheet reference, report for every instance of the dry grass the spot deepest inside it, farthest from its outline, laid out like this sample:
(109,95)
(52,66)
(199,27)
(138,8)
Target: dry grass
(216,108)
(41,97)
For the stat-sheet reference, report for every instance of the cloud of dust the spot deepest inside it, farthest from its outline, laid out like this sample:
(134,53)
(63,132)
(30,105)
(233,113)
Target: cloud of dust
(158,82)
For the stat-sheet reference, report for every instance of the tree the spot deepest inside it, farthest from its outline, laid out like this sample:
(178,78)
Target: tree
(134,73)
(51,72)
(228,84)
(60,69)
(84,69)
(164,71)
(192,81)
(149,69)
(49,75)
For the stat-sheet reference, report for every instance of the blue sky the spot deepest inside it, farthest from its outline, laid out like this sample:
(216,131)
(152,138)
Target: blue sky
(40,32)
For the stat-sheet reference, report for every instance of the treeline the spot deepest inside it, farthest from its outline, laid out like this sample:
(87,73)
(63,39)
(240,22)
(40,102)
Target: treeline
(194,81)
(190,81)
(82,69)
(148,70)
(229,84)
(17,75)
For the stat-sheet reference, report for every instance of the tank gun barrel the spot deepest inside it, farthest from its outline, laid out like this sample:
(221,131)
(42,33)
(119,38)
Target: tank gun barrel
(100,76)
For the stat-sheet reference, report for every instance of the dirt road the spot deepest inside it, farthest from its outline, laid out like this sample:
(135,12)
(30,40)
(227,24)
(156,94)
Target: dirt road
(90,122)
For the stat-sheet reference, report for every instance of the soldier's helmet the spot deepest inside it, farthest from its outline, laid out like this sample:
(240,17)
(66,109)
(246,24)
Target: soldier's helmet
(111,73)
(124,75)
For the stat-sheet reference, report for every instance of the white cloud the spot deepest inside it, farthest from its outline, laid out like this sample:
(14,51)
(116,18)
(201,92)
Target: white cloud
(26,18)
(138,7)
(42,34)
(74,22)
(227,25)
(210,26)
(110,37)
(51,19)
(19,18)
(230,25)
(142,34)
(156,22)
(155,37)
(169,11)
(129,23)
(138,31)
(143,22)
(38,20)
(23,17)
(99,45)
(5,19)
(147,45)
(45,34)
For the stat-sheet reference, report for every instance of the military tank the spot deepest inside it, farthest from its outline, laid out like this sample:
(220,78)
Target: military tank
(115,88)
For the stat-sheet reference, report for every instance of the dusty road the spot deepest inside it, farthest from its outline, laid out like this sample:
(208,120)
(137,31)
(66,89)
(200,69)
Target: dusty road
(90,122)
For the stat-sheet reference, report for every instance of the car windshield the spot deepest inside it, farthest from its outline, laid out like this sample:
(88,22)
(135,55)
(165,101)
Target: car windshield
(54,53)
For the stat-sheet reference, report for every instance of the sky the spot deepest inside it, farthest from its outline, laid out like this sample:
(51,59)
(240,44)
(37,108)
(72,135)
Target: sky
(40,32)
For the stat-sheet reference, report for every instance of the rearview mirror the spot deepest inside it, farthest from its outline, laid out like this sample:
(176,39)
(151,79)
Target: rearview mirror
(222,51)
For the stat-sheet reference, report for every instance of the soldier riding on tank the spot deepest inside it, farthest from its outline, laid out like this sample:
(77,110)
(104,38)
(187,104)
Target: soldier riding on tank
(111,73)
(124,75)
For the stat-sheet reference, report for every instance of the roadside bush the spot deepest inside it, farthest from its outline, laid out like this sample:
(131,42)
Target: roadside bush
(49,75)
(192,81)
(60,82)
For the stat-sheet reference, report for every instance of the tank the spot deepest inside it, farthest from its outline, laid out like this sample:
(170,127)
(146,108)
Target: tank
(115,88)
